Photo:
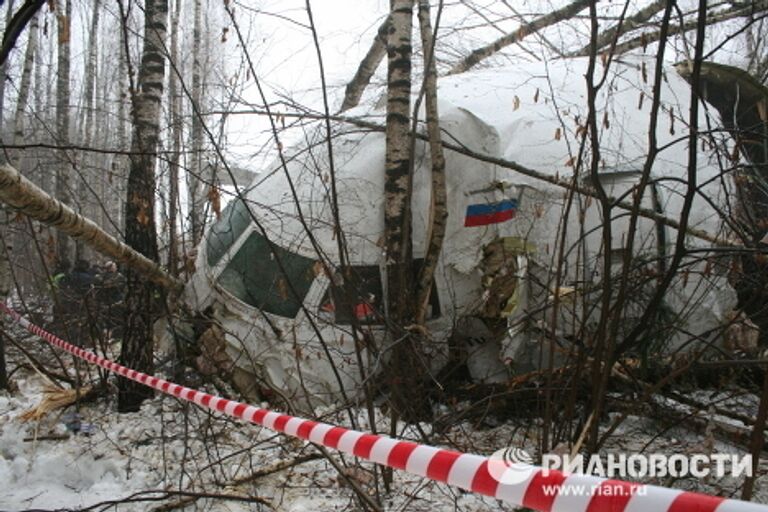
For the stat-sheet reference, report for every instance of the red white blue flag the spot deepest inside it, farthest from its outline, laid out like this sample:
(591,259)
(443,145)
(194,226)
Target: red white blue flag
(490,213)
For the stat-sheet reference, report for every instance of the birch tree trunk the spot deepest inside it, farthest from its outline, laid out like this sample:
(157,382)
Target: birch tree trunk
(91,172)
(5,263)
(176,134)
(14,155)
(438,212)
(140,232)
(195,184)
(23,98)
(408,400)
(91,75)
(63,246)
(3,69)
(5,284)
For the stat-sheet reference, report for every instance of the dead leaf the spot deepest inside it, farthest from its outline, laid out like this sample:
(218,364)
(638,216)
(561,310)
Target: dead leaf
(570,161)
(224,34)
(516,103)
(557,133)
(640,101)
(536,96)
(214,196)
(644,71)
(606,122)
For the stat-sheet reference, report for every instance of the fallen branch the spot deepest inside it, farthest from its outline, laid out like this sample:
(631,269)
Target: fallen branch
(30,200)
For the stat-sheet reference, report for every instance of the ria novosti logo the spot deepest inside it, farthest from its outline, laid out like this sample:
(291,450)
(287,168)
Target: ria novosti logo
(512,466)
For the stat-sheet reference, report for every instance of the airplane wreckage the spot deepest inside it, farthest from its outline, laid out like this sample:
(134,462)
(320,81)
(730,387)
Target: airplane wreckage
(284,318)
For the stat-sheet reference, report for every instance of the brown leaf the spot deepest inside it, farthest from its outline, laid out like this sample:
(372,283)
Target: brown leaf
(557,133)
(644,71)
(581,131)
(570,161)
(640,101)
(516,103)
(224,34)
(536,96)
(606,122)
(214,196)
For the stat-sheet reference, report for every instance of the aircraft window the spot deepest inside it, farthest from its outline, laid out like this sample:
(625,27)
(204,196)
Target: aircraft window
(360,295)
(364,293)
(234,219)
(255,277)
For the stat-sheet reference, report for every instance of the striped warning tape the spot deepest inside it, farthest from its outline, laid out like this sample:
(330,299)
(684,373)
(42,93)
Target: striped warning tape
(537,489)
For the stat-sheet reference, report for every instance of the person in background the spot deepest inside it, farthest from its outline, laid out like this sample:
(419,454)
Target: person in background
(76,300)
(110,292)
(60,271)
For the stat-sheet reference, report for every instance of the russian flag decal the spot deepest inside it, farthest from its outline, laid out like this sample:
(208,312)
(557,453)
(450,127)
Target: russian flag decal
(490,213)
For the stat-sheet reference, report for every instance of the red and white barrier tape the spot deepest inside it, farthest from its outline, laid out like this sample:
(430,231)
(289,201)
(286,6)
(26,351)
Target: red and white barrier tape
(542,490)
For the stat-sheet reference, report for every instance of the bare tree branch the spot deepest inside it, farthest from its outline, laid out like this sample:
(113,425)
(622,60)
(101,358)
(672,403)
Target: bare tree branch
(367,68)
(525,30)
(651,37)
(629,24)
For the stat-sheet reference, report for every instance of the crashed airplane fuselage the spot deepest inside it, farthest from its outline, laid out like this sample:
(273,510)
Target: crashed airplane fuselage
(268,269)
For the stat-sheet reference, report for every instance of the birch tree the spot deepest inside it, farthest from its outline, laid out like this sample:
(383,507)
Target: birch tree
(140,231)
(408,398)
(176,137)
(63,19)
(194,177)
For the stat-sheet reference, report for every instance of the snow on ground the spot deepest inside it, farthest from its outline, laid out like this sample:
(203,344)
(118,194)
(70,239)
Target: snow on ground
(131,454)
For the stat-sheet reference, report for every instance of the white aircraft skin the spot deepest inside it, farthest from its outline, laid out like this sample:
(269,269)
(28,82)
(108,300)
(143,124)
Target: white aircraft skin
(293,334)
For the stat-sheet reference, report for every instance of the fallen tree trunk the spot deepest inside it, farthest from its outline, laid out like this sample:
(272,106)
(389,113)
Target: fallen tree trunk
(24,196)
